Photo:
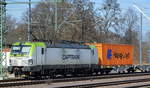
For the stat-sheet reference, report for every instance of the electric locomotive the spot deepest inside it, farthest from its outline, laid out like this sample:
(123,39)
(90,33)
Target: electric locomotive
(40,58)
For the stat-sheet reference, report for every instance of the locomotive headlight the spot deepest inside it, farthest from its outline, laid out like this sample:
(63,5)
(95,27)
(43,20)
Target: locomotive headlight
(30,61)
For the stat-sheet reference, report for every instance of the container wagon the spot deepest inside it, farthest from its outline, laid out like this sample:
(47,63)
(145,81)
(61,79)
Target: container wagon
(118,57)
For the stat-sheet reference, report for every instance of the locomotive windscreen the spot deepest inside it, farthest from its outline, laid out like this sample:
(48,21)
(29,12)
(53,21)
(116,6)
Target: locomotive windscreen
(20,49)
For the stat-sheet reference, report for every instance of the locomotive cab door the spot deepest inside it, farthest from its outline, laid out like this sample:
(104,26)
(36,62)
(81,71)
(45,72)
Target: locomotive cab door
(40,55)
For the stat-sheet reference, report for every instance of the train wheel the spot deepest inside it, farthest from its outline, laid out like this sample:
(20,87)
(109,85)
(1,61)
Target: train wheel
(107,72)
(102,72)
(17,72)
(145,71)
(52,76)
(64,75)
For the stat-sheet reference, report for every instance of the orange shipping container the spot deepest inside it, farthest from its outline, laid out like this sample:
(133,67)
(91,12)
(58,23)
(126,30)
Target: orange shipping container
(114,54)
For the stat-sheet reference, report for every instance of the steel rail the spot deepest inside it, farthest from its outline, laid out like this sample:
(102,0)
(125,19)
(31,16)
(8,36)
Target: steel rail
(106,83)
(22,82)
(81,78)
(98,77)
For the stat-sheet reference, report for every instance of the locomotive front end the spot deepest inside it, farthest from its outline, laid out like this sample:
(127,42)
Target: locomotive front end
(20,56)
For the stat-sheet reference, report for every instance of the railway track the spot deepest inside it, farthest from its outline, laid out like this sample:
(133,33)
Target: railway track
(107,84)
(22,82)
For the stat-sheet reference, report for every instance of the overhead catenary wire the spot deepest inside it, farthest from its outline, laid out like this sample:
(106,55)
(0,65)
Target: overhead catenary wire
(32,2)
(141,12)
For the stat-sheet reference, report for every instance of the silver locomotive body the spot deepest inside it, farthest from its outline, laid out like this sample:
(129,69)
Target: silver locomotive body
(56,59)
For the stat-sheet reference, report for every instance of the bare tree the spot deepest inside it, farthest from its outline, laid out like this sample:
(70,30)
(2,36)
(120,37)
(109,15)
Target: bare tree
(83,12)
(9,27)
(130,26)
(43,22)
(107,16)
(75,21)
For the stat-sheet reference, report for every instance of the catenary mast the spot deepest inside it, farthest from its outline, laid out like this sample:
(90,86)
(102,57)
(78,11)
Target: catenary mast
(2,28)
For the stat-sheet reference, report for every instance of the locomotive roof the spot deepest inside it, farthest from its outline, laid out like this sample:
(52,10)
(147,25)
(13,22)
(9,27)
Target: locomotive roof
(75,46)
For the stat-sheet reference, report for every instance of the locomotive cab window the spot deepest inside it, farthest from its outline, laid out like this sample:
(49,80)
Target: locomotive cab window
(26,50)
(15,50)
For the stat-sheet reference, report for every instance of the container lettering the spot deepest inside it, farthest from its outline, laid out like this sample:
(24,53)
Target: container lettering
(121,55)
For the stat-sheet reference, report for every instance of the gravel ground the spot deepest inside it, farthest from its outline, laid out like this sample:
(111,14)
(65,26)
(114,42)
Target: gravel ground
(129,85)
(51,85)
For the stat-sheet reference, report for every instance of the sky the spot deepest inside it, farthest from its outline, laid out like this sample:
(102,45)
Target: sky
(17,10)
